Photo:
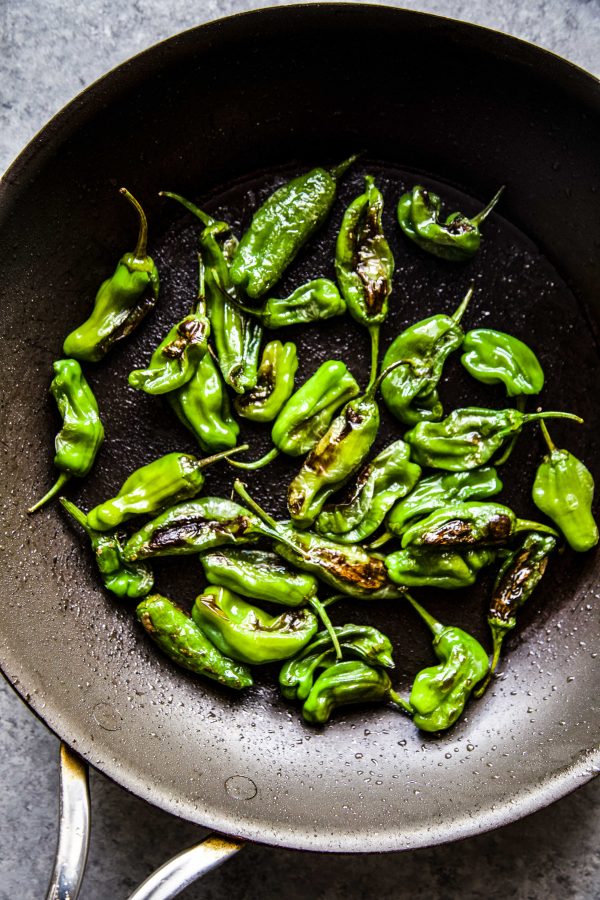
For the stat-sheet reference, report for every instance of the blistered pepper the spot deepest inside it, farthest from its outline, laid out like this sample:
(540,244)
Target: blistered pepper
(247,633)
(258,574)
(183,642)
(458,238)
(122,300)
(274,385)
(82,433)
(343,684)
(494,357)
(469,437)
(389,476)
(118,576)
(202,405)
(445,569)
(314,301)
(281,226)
(564,490)
(410,391)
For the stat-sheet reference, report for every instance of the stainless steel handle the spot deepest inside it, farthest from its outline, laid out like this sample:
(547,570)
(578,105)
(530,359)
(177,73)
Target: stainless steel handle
(73,829)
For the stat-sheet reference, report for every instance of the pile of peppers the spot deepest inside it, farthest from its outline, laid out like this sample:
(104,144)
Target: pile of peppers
(365,522)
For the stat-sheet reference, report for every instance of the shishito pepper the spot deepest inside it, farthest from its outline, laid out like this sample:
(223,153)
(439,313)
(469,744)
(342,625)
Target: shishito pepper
(274,385)
(314,301)
(122,300)
(166,480)
(410,391)
(181,639)
(202,405)
(494,357)
(445,569)
(564,490)
(258,574)
(120,577)
(438,491)
(281,226)
(458,238)
(342,684)
(469,437)
(381,483)
(82,433)
(247,633)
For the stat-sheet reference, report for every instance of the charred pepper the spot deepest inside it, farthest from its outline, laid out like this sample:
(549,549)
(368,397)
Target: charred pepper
(274,384)
(445,569)
(202,405)
(258,574)
(122,300)
(494,357)
(314,301)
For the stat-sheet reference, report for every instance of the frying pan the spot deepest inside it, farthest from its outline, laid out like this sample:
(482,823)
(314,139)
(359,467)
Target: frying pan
(223,113)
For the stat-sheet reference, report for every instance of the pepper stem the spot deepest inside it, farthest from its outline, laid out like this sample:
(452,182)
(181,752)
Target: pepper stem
(225,454)
(497,638)
(399,701)
(240,489)
(199,306)
(191,207)
(337,171)
(482,216)
(258,463)
(529,525)
(374,386)
(435,626)
(381,540)
(374,331)
(334,599)
(547,438)
(140,251)
(54,490)
(534,417)
(322,614)
(77,514)
(458,314)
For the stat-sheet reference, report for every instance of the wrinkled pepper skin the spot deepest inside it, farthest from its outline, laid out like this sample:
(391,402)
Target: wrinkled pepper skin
(247,633)
(381,483)
(190,528)
(470,524)
(564,490)
(176,358)
(362,642)
(202,406)
(441,490)
(445,569)
(410,391)
(281,226)
(82,433)
(274,385)
(132,580)
(183,642)
(494,357)
(121,303)
(456,239)
(314,301)
(469,437)
(343,684)
(260,575)
(439,693)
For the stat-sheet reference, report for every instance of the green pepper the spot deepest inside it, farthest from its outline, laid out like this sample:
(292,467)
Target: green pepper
(181,639)
(469,437)
(445,569)
(441,490)
(202,405)
(190,528)
(342,684)
(381,483)
(470,524)
(122,300)
(82,433)
(362,642)
(314,301)
(564,490)
(494,357)
(281,226)
(439,693)
(410,391)
(122,578)
(166,480)
(458,238)
(364,264)
(258,574)
(247,633)
(274,385)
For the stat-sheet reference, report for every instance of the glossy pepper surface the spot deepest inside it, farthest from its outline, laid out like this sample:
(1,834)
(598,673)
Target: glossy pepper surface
(247,633)
(181,640)
(281,226)
(469,437)
(441,490)
(122,300)
(258,574)
(445,569)
(458,238)
(564,490)
(314,301)
(82,433)
(121,578)
(410,391)
(389,476)
(202,405)
(494,357)
(274,385)
(343,684)
(166,480)
(439,693)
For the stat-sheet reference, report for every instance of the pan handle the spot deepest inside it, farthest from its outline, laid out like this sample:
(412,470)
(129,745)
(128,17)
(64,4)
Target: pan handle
(73,830)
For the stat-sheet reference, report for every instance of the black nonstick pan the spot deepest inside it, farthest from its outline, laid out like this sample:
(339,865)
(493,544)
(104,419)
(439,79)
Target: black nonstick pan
(222,114)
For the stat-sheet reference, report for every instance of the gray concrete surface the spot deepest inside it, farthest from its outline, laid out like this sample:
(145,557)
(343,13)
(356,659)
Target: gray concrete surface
(50,50)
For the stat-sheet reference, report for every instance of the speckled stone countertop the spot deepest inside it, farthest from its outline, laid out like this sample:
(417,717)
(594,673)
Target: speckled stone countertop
(49,51)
